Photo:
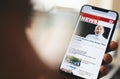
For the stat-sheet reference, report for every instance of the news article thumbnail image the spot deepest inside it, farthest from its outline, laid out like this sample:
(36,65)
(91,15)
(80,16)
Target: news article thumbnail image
(85,28)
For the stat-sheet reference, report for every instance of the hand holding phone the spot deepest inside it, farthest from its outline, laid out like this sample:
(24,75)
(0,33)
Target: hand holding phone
(89,42)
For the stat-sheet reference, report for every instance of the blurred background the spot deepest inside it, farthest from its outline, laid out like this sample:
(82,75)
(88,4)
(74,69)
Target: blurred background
(35,34)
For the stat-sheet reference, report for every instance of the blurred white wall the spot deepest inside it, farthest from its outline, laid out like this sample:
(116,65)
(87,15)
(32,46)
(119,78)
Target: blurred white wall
(45,5)
(101,3)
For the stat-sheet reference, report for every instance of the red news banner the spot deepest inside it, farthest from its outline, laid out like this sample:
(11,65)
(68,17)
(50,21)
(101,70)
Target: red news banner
(94,19)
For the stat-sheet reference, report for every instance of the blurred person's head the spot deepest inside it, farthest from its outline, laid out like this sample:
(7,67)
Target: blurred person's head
(99,30)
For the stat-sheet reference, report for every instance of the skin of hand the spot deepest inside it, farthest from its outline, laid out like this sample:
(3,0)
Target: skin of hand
(107,59)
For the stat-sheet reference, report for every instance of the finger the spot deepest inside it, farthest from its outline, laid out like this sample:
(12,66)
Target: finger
(113,46)
(107,59)
(103,71)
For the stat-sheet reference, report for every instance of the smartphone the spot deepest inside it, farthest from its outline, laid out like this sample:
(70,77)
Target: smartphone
(89,42)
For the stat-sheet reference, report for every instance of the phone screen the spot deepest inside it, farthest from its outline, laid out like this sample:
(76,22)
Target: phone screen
(89,42)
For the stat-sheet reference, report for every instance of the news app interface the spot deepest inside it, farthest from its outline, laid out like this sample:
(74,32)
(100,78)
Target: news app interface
(89,41)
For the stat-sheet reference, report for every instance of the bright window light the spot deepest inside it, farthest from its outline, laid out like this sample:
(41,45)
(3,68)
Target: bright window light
(45,5)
